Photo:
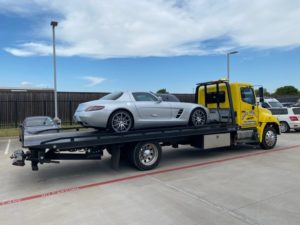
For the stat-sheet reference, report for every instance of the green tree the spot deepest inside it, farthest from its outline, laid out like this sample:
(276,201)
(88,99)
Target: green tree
(286,90)
(162,91)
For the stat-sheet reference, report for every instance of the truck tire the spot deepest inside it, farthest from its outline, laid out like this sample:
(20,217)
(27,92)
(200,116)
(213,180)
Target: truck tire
(269,138)
(284,127)
(145,155)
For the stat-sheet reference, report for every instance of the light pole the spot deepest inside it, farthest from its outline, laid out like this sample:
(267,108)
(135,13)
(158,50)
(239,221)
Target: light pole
(54,24)
(228,63)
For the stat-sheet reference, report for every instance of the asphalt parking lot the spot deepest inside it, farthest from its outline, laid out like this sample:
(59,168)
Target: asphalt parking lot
(240,186)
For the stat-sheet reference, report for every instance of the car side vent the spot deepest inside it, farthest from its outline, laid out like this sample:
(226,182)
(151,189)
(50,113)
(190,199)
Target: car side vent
(179,113)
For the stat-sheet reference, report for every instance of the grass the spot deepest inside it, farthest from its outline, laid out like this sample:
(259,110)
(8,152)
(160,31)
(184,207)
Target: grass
(9,132)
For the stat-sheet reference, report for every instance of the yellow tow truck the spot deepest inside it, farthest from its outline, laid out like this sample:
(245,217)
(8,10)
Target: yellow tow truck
(236,103)
(234,118)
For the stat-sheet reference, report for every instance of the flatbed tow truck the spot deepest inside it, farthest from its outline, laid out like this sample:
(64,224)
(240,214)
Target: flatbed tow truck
(235,118)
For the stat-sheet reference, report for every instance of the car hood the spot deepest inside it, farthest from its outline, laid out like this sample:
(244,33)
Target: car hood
(33,130)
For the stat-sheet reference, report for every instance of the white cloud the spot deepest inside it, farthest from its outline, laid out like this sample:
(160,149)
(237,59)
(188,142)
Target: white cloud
(139,28)
(93,81)
(26,84)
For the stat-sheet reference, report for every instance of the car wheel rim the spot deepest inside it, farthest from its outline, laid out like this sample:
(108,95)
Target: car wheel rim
(121,122)
(148,154)
(198,117)
(270,138)
(283,127)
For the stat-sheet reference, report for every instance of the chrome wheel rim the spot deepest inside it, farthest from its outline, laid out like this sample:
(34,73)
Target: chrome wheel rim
(121,122)
(270,138)
(283,127)
(198,117)
(148,154)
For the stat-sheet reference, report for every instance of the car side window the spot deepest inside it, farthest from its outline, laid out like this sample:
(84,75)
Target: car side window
(248,95)
(143,97)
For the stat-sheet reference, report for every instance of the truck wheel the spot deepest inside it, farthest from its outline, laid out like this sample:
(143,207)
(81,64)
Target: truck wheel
(269,138)
(145,155)
(284,127)
(198,117)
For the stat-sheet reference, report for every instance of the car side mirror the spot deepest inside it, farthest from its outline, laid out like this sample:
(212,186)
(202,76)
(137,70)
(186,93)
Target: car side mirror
(159,99)
(261,94)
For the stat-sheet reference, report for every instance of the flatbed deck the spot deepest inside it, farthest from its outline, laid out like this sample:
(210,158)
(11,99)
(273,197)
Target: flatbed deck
(81,139)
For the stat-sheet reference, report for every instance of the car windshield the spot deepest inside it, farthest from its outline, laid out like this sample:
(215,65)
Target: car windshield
(112,96)
(276,104)
(35,122)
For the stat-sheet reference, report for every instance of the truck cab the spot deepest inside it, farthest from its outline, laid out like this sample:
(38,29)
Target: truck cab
(236,103)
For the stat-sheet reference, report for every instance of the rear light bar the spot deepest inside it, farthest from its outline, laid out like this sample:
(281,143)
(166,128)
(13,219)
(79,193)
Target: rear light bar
(293,118)
(94,108)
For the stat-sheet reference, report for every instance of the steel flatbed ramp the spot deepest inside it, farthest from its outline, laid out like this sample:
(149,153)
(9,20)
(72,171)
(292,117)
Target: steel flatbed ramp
(81,139)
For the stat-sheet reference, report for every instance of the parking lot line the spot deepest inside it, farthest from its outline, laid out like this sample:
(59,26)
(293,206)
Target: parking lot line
(7,147)
(72,189)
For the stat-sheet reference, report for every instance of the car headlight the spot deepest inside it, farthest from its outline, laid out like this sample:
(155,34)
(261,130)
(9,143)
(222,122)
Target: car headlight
(94,108)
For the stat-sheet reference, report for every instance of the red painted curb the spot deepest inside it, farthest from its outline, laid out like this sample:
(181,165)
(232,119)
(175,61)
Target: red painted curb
(65,190)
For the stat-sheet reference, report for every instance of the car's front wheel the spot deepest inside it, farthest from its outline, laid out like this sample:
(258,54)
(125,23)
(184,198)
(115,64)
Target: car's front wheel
(198,117)
(120,121)
(284,127)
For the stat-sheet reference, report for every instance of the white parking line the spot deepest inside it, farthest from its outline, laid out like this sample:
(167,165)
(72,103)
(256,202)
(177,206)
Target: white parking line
(7,147)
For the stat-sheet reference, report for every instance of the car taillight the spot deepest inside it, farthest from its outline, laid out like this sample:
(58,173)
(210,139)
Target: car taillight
(293,118)
(94,108)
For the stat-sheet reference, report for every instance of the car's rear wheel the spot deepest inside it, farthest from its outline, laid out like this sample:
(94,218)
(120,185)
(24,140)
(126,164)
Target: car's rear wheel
(120,121)
(198,117)
(284,127)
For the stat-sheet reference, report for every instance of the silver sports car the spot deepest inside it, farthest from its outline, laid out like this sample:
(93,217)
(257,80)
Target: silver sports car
(122,111)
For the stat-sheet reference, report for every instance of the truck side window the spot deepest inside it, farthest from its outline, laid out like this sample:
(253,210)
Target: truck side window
(247,95)
(214,97)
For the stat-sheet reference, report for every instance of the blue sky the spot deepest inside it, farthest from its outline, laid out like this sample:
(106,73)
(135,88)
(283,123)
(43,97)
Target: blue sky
(161,44)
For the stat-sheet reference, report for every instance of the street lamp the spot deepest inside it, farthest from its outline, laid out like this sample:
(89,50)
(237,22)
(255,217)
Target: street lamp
(56,119)
(228,63)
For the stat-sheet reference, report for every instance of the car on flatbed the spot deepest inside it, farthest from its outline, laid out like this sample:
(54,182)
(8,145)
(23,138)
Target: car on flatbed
(34,124)
(124,111)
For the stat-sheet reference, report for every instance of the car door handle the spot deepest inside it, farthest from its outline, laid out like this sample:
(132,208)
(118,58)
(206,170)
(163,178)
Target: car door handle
(154,115)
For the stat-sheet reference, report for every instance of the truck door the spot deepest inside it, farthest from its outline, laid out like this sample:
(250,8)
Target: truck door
(248,108)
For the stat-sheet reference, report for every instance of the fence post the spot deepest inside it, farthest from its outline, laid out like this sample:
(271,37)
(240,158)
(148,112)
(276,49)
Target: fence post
(70,113)
(16,114)
(44,107)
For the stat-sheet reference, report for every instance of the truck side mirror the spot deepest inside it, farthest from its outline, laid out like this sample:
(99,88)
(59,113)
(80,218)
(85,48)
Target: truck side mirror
(261,94)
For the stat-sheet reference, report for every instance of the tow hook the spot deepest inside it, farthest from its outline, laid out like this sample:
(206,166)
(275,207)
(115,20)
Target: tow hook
(18,158)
